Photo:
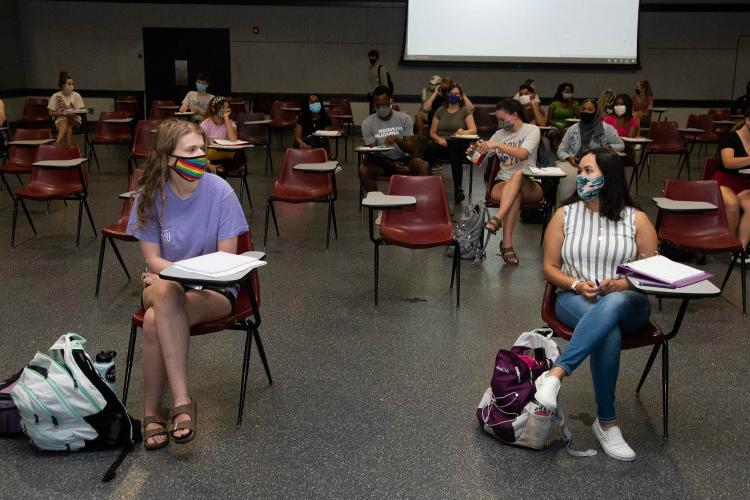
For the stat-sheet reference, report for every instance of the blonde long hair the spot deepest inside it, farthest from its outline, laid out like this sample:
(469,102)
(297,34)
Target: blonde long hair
(607,98)
(155,176)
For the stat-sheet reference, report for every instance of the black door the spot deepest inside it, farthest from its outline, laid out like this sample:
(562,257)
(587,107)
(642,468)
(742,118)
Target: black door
(172,57)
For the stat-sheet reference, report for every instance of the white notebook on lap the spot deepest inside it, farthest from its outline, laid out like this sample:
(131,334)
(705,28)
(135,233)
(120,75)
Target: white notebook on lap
(218,264)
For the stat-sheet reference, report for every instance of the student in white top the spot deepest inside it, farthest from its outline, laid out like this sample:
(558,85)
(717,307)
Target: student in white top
(515,146)
(197,100)
(66,99)
(596,230)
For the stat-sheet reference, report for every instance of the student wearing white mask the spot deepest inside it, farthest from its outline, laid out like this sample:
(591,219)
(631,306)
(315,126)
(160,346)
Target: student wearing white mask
(531,83)
(197,100)
(66,99)
(622,119)
(532,110)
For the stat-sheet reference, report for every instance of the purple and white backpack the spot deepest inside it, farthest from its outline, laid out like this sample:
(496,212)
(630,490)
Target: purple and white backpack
(10,419)
(508,410)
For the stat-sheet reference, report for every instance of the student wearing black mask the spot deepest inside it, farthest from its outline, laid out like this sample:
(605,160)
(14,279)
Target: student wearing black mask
(590,133)
(377,75)
(438,97)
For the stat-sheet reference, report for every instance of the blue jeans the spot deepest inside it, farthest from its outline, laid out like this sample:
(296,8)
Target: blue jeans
(599,326)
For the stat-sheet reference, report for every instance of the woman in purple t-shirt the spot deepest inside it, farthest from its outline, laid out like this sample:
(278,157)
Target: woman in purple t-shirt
(180,211)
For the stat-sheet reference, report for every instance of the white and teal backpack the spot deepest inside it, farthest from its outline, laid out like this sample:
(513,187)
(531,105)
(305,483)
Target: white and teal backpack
(66,406)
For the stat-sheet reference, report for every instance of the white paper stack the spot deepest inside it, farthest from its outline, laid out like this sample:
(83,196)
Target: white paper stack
(219,264)
(546,171)
(225,142)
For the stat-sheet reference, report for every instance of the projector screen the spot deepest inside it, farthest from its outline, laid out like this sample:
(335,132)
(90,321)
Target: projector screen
(523,31)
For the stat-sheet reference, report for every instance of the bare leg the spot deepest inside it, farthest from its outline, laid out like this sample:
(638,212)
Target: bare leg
(69,132)
(174,311)
(154,374)
(62,130)
(731,207)
(743,230)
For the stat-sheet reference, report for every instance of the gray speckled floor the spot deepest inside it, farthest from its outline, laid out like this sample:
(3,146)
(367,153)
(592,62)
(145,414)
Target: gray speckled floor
(367,402)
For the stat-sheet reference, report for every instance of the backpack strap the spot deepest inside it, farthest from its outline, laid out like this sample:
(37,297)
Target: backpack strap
(380,79)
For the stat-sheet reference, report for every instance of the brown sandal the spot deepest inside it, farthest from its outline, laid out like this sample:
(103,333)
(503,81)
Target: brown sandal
(190,409)
(493,225)
(150,433)
(509,255)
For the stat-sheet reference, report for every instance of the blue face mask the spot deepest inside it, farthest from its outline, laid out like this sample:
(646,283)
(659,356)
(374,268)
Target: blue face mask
(315,107)
(589,187)
(201,87)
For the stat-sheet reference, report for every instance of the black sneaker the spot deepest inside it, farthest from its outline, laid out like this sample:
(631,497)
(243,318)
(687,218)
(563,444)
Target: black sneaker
(458,195)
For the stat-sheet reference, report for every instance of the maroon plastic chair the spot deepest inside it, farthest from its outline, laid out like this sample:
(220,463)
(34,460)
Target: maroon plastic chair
(128,104)
(710,167)
(292,186)
(702,122)
(143,143)
(484,117)
(425,225)
(282,120)
(720,114)
(158,112)
(256,134)
(35,113)
(650,335)
(704,232)
(49,184)
(245,317)
(117,231)
(667,141)
(110,133)
(20,159)
(262,103)
(237,106)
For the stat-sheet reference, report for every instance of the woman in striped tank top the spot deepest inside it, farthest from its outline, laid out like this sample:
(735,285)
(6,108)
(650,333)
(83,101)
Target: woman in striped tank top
(598,228)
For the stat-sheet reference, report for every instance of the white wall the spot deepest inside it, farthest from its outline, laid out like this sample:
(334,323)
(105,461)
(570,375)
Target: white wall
(323,49)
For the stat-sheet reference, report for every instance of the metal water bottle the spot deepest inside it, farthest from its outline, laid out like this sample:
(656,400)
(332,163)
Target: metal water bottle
(104,364)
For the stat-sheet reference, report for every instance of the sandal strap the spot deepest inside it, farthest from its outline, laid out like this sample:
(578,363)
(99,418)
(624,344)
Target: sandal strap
(188,409)
(185,424)
(152,419)
(149,433)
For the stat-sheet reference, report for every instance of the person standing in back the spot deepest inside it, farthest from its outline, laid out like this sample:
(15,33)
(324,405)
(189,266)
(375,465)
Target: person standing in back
(377,75)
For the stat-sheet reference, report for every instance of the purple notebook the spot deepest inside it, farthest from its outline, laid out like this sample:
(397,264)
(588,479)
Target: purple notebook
(653,280)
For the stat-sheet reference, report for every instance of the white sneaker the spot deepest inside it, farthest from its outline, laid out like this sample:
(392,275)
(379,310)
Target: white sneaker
(547,387)
(612,442)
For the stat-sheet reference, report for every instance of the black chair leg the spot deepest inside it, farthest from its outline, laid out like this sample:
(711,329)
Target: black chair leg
(247,190)
(729,271)
(377,269)
(453,266)
(80,216)
(269,157)
(15,216)
(743,256)
(28,216)
(665,388)
(647,369)
(88,213)
(273,216)
(265,228)
(262,353)
(245,370)
(129,363)
(119,257)
(102,248)
(93,154)
(328,226)
(333,218)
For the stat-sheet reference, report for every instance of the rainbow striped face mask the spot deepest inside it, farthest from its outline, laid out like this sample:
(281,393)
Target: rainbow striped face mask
(191,169)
